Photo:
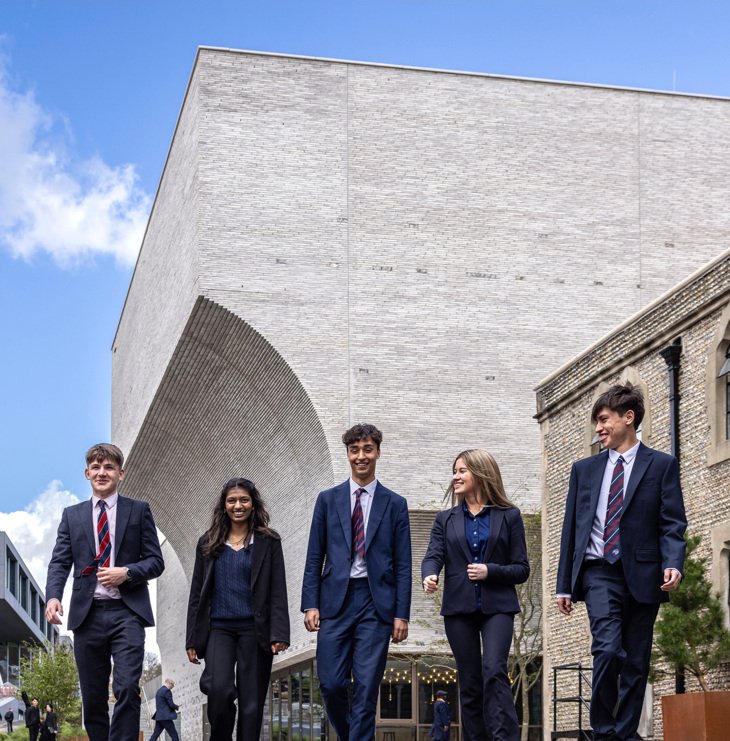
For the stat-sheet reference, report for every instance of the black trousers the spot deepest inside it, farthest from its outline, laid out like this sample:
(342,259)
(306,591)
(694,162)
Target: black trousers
(33,732)
(111,631)
(480,644)
(622,631)
(236,667)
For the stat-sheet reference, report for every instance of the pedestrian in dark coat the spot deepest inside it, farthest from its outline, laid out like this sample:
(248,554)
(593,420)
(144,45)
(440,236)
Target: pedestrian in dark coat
(165,712)
(441,727)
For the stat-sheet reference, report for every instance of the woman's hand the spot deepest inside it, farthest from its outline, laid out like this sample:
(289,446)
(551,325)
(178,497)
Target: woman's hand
(193,656)
(477,571)
(278,647)
(430,584)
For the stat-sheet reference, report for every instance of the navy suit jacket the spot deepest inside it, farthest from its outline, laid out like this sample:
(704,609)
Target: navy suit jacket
(387,554)
(135,546)
(652,523)
(164,706)
(505,557)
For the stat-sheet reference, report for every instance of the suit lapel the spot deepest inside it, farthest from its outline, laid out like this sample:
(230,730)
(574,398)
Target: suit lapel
(456,518)
(497,516)
(641,464)
(377,510)
(87,524)
(124,509)
(599,468)
(260,547)
(342,498)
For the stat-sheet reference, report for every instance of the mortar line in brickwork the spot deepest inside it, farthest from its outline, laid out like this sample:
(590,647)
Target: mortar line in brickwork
(347,238)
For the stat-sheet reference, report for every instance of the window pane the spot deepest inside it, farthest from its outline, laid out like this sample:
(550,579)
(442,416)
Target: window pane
(436,673)
(396,691)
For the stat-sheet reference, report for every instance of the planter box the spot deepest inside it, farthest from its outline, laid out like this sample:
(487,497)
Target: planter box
(696,716)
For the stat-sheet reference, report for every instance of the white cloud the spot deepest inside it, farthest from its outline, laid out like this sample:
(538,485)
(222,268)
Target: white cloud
(33,530)
(50,202)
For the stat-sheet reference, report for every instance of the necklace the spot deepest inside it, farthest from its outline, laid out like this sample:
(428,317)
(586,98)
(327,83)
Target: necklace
(243,538)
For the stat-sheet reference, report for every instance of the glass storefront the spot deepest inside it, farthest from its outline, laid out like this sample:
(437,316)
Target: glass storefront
(295,711)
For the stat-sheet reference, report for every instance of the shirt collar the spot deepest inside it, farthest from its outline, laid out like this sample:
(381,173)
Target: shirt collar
(628,456)
(111,501)
(370,488)
(484,510)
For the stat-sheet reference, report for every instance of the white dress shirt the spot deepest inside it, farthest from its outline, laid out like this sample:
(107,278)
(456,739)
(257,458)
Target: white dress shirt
(102,592)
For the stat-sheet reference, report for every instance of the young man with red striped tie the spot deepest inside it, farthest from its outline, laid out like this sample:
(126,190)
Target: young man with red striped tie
(111,543)
(356,592)
(622,551)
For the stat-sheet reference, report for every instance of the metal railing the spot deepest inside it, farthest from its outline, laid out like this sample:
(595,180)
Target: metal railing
(580,677)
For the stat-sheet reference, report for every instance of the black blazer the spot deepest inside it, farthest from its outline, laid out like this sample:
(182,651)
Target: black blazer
(268,587)
(135,546)
(505,556)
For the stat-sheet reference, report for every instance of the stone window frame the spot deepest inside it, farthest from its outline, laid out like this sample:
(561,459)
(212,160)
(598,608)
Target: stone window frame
(717,391)
(720,568)
(629,375)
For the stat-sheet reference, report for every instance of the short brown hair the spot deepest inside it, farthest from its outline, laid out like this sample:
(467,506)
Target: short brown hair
(362,431)
(621,399)
(105,452)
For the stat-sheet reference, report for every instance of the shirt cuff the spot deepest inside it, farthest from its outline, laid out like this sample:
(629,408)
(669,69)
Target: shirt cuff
(564,596)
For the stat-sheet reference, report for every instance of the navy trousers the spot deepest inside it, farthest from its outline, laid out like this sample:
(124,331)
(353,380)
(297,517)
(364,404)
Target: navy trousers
(165,725)
(111,630)
(480,644)
(354,644)
(622,631)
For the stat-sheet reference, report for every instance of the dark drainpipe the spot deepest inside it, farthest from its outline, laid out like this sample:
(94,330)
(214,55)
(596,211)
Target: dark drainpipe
(671,355)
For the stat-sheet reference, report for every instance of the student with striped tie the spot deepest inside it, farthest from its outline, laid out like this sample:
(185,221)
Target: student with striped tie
(356,592)
(111,543)
(622,550)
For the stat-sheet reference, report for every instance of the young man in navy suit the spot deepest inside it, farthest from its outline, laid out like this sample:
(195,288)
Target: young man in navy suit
(622,551)
(111,543)
(356,591)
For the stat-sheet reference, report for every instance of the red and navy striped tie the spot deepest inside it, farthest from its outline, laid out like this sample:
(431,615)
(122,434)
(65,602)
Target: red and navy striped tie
(358,526)
(103,558)
(611,533)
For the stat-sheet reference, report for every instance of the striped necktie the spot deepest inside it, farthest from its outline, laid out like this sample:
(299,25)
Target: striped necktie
(358,526)
(103,557)
(611,532)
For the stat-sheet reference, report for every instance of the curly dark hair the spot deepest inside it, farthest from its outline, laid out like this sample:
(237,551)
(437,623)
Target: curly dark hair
(220,524)
(362,431)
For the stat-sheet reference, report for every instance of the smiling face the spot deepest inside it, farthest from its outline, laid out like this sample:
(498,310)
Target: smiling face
(104,477)
(616,431)
(239,505)
(463,480)
(363,456)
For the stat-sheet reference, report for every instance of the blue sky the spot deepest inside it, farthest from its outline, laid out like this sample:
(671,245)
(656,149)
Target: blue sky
(89,97)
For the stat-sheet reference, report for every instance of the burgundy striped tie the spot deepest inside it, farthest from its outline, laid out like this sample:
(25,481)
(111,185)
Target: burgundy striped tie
(358,526)
(103,558)
(611,533)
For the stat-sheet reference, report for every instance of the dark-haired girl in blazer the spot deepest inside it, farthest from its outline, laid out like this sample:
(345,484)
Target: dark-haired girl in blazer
(480,543)
(238,614)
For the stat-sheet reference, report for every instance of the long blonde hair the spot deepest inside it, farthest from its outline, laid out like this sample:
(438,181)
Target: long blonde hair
(487,478)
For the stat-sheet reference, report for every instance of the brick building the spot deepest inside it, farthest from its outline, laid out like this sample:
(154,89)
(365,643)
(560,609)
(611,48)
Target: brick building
(334,242)
(689,326)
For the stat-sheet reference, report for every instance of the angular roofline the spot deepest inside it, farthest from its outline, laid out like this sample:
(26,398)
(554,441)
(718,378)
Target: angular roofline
(697,275)
(467,73)
(252,52)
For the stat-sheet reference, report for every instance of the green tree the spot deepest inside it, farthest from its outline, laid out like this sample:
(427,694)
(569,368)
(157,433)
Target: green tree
(525,661)
(690,634)
(49,673)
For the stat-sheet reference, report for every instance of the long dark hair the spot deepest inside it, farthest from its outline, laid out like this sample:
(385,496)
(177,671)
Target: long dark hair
(220,524)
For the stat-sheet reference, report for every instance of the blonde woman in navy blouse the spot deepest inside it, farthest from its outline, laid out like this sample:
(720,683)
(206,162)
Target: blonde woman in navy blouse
(480,544)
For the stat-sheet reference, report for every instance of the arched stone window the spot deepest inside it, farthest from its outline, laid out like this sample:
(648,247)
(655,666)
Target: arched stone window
(718,392)
(628,375)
